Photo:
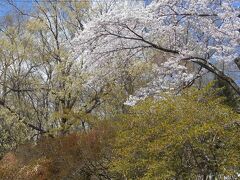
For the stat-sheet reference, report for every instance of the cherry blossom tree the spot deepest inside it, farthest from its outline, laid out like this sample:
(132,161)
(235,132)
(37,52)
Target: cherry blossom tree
(183,39)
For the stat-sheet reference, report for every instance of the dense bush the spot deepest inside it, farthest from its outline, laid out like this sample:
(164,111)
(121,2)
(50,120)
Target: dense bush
(74,156)
(190,136)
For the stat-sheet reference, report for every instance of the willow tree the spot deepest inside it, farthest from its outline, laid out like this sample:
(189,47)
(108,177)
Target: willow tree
(41,83)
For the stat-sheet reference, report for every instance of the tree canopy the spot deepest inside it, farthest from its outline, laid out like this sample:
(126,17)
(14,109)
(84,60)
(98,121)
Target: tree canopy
(117,89)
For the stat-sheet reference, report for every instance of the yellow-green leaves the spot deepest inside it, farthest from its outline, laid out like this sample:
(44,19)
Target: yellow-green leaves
(181,136)
(34,25)
(13,131)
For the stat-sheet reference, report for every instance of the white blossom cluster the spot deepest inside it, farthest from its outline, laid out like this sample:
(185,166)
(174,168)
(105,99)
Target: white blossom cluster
(184,29)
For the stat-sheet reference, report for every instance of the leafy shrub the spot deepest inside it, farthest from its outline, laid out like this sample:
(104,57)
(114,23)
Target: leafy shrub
(190,136)
(75,156)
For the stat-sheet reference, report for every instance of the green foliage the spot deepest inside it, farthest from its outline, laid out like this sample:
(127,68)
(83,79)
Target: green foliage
(13,132)
(232,98)
(186,136)
(46,91)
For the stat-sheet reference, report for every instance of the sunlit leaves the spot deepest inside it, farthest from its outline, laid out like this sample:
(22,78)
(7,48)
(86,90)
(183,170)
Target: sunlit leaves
(182,136)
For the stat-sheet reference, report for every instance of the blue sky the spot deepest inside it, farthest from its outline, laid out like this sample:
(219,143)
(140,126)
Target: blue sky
(237,4)
(5,7)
